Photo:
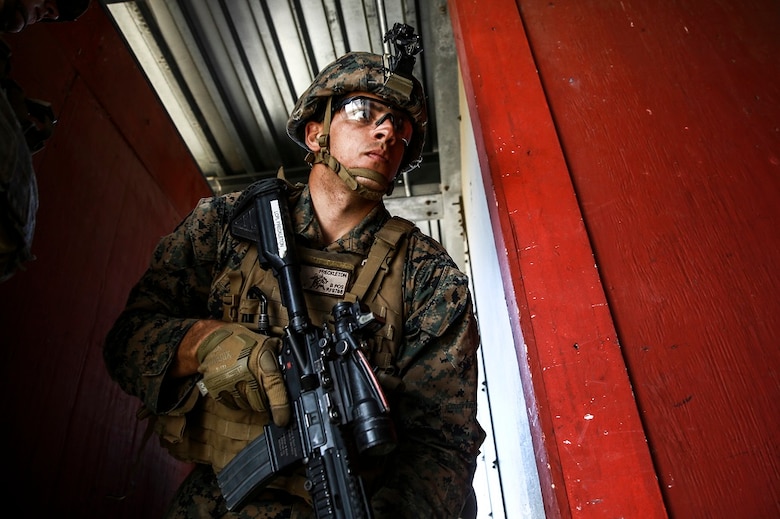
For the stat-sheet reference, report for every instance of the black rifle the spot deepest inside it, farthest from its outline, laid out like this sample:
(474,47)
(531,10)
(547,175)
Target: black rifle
(338,408)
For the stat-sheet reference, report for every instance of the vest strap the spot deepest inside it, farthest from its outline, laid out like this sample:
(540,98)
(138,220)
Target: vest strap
(379,257)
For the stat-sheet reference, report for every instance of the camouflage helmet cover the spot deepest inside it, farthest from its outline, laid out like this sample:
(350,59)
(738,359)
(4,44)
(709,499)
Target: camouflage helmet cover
(360,72)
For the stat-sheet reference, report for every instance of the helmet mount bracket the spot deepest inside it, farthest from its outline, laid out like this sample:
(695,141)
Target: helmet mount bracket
(399,62)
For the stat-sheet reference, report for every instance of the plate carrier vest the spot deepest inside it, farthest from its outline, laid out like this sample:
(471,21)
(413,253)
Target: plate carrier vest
(213,433)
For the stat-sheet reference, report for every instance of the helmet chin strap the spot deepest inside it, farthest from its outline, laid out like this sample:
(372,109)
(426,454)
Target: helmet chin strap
(348,175)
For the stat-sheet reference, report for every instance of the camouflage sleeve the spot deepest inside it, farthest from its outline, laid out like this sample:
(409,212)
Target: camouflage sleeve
(431,471)
(18,194)
(171,295)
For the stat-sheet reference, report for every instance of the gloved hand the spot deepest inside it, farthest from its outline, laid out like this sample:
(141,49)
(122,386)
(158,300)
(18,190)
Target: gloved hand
(240,370)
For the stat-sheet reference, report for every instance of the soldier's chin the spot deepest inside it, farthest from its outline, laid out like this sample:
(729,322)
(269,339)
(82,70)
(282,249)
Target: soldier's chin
(370,184)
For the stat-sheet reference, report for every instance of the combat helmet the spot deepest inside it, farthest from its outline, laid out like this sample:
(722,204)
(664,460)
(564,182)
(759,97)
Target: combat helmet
(391,80)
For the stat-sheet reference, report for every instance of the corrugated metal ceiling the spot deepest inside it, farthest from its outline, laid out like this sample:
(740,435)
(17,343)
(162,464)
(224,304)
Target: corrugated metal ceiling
(229,72)
(236,67)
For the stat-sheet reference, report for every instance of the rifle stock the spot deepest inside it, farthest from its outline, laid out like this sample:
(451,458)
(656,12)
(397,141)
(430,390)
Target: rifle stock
(338,408)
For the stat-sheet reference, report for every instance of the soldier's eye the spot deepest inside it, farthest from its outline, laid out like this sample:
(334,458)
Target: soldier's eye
(367,110)
(358,109)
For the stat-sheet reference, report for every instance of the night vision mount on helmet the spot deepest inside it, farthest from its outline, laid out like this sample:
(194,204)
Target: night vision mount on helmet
(398,66)
(389,77)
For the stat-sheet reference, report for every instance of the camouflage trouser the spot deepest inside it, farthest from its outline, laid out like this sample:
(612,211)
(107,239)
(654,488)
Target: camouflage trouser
(199,497)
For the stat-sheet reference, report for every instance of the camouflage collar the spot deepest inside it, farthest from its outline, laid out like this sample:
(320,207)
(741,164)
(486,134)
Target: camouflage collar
(358,240)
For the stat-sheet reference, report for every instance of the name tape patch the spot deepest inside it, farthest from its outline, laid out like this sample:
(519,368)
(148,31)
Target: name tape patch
(324,280)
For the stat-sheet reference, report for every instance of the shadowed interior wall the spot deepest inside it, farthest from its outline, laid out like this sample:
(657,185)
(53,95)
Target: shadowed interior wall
(113,179)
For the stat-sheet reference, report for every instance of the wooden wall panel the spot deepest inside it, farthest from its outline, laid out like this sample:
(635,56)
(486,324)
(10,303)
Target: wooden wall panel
(669,118)
(113,178)
(589,439)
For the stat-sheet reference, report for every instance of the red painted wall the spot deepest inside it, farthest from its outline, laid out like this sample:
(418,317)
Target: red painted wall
(586,427)
(669,117)
(665,118)
(113,178)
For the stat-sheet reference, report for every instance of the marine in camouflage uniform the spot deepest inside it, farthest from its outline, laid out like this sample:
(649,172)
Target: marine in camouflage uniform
(18,184)
(433,403)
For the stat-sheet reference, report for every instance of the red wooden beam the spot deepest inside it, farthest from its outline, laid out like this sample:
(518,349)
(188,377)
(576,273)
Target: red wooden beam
(591,449)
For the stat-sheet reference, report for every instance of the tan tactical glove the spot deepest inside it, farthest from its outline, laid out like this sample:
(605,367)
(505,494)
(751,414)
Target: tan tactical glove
(240,370)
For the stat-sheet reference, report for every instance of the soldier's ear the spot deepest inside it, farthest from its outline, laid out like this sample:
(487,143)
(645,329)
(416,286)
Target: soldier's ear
(313,133)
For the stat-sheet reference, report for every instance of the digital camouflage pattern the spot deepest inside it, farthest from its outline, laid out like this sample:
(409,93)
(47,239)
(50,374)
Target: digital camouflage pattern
(359,72)
(199,496)
(429,474)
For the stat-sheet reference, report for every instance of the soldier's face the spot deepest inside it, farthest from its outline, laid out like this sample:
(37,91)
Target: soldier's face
(370,135)
(15,15)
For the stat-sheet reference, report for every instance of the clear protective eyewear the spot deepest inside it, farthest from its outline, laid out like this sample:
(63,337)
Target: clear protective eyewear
(367,111)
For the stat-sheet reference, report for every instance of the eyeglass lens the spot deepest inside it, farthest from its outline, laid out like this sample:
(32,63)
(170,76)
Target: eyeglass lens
(366,110)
